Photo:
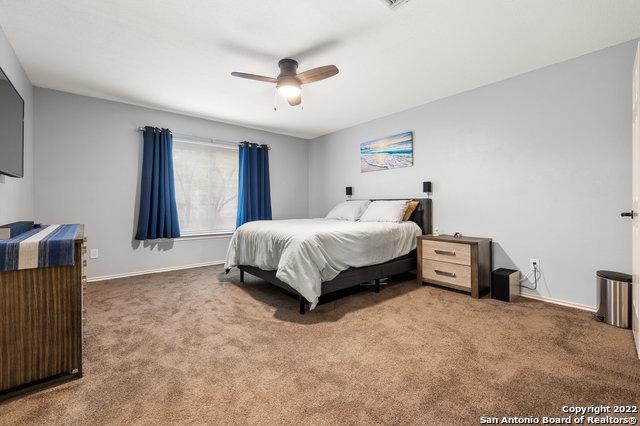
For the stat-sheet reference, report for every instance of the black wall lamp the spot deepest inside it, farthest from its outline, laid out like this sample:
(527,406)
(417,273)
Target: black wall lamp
(426,187)
(349,192)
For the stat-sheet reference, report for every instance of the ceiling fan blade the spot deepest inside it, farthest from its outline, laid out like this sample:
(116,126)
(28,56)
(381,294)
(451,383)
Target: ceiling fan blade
(296,100)
(254,77)
(317,74)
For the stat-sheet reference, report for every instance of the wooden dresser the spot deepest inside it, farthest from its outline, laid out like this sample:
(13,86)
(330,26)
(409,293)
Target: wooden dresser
(463,263)
(41,325)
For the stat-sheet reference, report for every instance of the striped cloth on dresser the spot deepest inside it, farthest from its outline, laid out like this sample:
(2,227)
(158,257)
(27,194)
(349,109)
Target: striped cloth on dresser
(49,245)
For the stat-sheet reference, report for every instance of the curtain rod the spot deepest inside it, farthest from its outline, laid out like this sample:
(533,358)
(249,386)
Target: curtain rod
(201,139)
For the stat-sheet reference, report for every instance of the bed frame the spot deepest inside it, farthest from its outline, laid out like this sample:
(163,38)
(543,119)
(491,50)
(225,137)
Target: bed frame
(355,276)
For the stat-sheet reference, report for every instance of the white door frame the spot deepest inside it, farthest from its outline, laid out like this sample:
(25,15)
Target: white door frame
(635,253)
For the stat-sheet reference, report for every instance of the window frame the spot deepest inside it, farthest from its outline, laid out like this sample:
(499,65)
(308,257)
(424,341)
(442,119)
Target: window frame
(196,235)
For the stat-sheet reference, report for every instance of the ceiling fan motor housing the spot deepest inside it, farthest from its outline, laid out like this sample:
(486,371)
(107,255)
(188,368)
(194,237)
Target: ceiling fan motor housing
(288,67)
(288,72)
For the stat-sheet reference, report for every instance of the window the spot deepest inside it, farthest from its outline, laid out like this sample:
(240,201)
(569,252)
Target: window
(206,180)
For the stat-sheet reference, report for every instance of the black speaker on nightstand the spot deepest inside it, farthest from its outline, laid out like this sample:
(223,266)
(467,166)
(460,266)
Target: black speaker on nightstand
(505,284)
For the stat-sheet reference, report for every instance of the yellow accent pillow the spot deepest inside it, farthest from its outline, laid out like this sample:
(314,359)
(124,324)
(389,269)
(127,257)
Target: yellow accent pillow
(410,209)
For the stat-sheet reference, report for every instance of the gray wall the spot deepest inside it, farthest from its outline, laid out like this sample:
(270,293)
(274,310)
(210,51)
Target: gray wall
(16,195)
(88,159)
(539,162)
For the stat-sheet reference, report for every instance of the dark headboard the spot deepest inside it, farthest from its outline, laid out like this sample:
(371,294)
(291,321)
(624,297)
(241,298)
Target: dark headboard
(422,215)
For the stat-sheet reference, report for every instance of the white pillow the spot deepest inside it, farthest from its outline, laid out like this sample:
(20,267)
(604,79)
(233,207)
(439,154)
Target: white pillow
(385,211)
(349,210)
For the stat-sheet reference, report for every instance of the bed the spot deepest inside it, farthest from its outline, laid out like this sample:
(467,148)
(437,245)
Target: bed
(298,255)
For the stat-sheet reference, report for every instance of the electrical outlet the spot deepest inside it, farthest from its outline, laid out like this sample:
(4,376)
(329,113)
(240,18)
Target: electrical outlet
(534,262)
(94,254)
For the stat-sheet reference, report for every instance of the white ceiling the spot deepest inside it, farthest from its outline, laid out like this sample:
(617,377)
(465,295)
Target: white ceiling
(177,55)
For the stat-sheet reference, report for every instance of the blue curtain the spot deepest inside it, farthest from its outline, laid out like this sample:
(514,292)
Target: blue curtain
(254,192)
(158,217)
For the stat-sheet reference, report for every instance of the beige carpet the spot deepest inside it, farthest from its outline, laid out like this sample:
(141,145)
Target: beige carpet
(198,347)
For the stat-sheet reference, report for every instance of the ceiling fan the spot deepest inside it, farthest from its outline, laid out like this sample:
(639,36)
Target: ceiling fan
(289,82)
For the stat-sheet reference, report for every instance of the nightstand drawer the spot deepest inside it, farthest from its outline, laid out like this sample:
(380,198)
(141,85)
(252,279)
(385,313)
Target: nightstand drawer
(446,252)
(450,273)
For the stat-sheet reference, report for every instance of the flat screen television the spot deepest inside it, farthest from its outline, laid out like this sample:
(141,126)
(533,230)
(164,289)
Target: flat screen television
(11,129)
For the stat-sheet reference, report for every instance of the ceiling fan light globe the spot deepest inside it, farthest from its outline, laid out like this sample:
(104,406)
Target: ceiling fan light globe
(288,91)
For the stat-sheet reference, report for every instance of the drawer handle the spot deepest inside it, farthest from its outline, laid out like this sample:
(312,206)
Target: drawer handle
(445,273)
(445,252)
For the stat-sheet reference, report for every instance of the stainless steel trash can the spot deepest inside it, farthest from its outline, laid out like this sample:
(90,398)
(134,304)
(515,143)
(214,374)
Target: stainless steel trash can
(614,298)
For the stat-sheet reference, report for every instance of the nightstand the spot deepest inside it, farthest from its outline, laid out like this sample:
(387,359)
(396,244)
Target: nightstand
(462,263)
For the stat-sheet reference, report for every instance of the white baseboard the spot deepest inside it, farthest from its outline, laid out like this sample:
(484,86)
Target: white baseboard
(558,302)
(154,271)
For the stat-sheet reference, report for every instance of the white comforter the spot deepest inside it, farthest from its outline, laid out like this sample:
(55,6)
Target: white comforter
(306,252)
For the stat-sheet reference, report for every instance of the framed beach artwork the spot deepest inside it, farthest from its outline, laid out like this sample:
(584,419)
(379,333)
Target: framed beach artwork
(391,152)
